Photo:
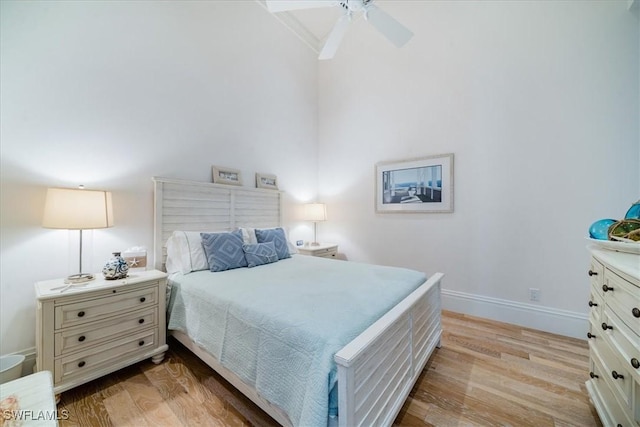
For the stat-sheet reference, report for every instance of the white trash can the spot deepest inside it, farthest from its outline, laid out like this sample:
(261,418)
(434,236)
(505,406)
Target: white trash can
(10,367)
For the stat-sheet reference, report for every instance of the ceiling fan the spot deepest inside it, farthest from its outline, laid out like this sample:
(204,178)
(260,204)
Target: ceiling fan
(395,32)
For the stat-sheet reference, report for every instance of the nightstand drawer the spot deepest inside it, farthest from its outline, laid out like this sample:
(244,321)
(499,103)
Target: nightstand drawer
(91,310)
(88,335)
(112,353)
(327,253)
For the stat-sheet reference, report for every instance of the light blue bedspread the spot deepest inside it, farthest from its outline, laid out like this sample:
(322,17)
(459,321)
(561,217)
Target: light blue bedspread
(279,325)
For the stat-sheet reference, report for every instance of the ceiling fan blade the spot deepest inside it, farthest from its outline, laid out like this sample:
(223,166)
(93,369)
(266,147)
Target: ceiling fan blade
(397,33)
(335,37)
(275,6)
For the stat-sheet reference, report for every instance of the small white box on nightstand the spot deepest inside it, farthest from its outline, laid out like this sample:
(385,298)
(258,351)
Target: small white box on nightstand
(136,258)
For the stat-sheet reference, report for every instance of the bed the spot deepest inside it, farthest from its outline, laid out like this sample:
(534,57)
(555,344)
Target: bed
(369,363)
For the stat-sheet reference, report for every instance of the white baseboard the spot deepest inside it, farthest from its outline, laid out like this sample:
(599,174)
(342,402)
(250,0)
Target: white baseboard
(561,322)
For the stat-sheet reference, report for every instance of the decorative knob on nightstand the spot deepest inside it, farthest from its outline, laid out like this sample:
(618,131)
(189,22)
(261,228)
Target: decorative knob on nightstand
(635,363)
(590,335)
(636,312)
(605,326)
(593,375)
(617,376)
(606,288)
(592,304)
(593,273)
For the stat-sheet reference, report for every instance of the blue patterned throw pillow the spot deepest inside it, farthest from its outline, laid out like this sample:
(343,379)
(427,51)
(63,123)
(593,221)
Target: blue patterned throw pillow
(275,235)
(259,254)
(224,250)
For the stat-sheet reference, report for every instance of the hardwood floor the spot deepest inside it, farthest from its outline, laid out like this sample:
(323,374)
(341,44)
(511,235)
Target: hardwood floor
(485,374)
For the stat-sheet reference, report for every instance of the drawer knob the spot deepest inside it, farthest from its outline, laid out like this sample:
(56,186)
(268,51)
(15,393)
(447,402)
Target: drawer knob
(617,376)
(636,312)
(81,314)
(606,288)
(81,364)
(635,363)
(593,273)
(605,326)
(143,299)
(141,343)
(141,321)
(590,335)
(592,375)
(593,304)
(81,338)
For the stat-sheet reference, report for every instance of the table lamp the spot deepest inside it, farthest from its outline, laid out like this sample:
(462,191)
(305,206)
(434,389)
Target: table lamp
(315,212)
(77,209)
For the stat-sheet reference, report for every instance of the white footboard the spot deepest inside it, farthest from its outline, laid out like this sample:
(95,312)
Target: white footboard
(377,370)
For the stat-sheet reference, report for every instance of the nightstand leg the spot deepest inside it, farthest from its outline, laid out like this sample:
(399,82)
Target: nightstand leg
(157,358)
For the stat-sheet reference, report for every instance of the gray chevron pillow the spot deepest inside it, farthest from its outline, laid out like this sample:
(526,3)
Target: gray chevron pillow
(260,254)
(275,235)
(224,250)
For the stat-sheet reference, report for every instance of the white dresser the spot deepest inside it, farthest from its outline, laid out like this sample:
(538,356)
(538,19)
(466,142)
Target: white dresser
(614,337)
(87,331)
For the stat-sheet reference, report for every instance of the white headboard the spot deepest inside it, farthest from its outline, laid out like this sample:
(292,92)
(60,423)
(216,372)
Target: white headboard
(203,206)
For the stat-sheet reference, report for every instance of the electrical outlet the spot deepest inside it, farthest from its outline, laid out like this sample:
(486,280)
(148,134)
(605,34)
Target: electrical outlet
(534,294)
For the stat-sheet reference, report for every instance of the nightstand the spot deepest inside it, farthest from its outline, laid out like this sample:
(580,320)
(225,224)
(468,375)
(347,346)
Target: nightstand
(86,331)
(324,250)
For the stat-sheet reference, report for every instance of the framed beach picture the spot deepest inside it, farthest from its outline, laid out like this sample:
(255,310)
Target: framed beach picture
(222,175)
(266,181)
(422,185)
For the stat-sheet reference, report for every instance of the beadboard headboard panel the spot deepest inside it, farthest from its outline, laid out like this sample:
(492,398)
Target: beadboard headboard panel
(203,206)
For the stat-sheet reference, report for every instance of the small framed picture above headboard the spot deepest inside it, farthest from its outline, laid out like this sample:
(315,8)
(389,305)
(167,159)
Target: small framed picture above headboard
(264,180)
(222,175)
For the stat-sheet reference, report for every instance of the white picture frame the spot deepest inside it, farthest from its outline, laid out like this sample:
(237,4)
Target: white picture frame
(420,185)
(264,180)
(224,175)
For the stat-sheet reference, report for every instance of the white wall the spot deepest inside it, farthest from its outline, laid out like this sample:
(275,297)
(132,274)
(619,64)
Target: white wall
(109,94)
(539,103)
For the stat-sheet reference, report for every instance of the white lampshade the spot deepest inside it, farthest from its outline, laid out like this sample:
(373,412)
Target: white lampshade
(315,212)
(77,209)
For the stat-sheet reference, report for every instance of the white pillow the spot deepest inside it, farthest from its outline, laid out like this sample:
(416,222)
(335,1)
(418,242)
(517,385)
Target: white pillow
(249,237)
(185,252)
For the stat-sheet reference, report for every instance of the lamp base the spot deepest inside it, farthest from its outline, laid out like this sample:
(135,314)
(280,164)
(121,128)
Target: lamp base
(315,244)
(79,278)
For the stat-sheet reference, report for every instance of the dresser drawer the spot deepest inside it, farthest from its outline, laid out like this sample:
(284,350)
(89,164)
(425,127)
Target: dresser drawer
(596,274)
(596,305)
(617,414)
(91,310)
(112,353)
(624,298)
(613,367)
(623,341)
(88,335)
